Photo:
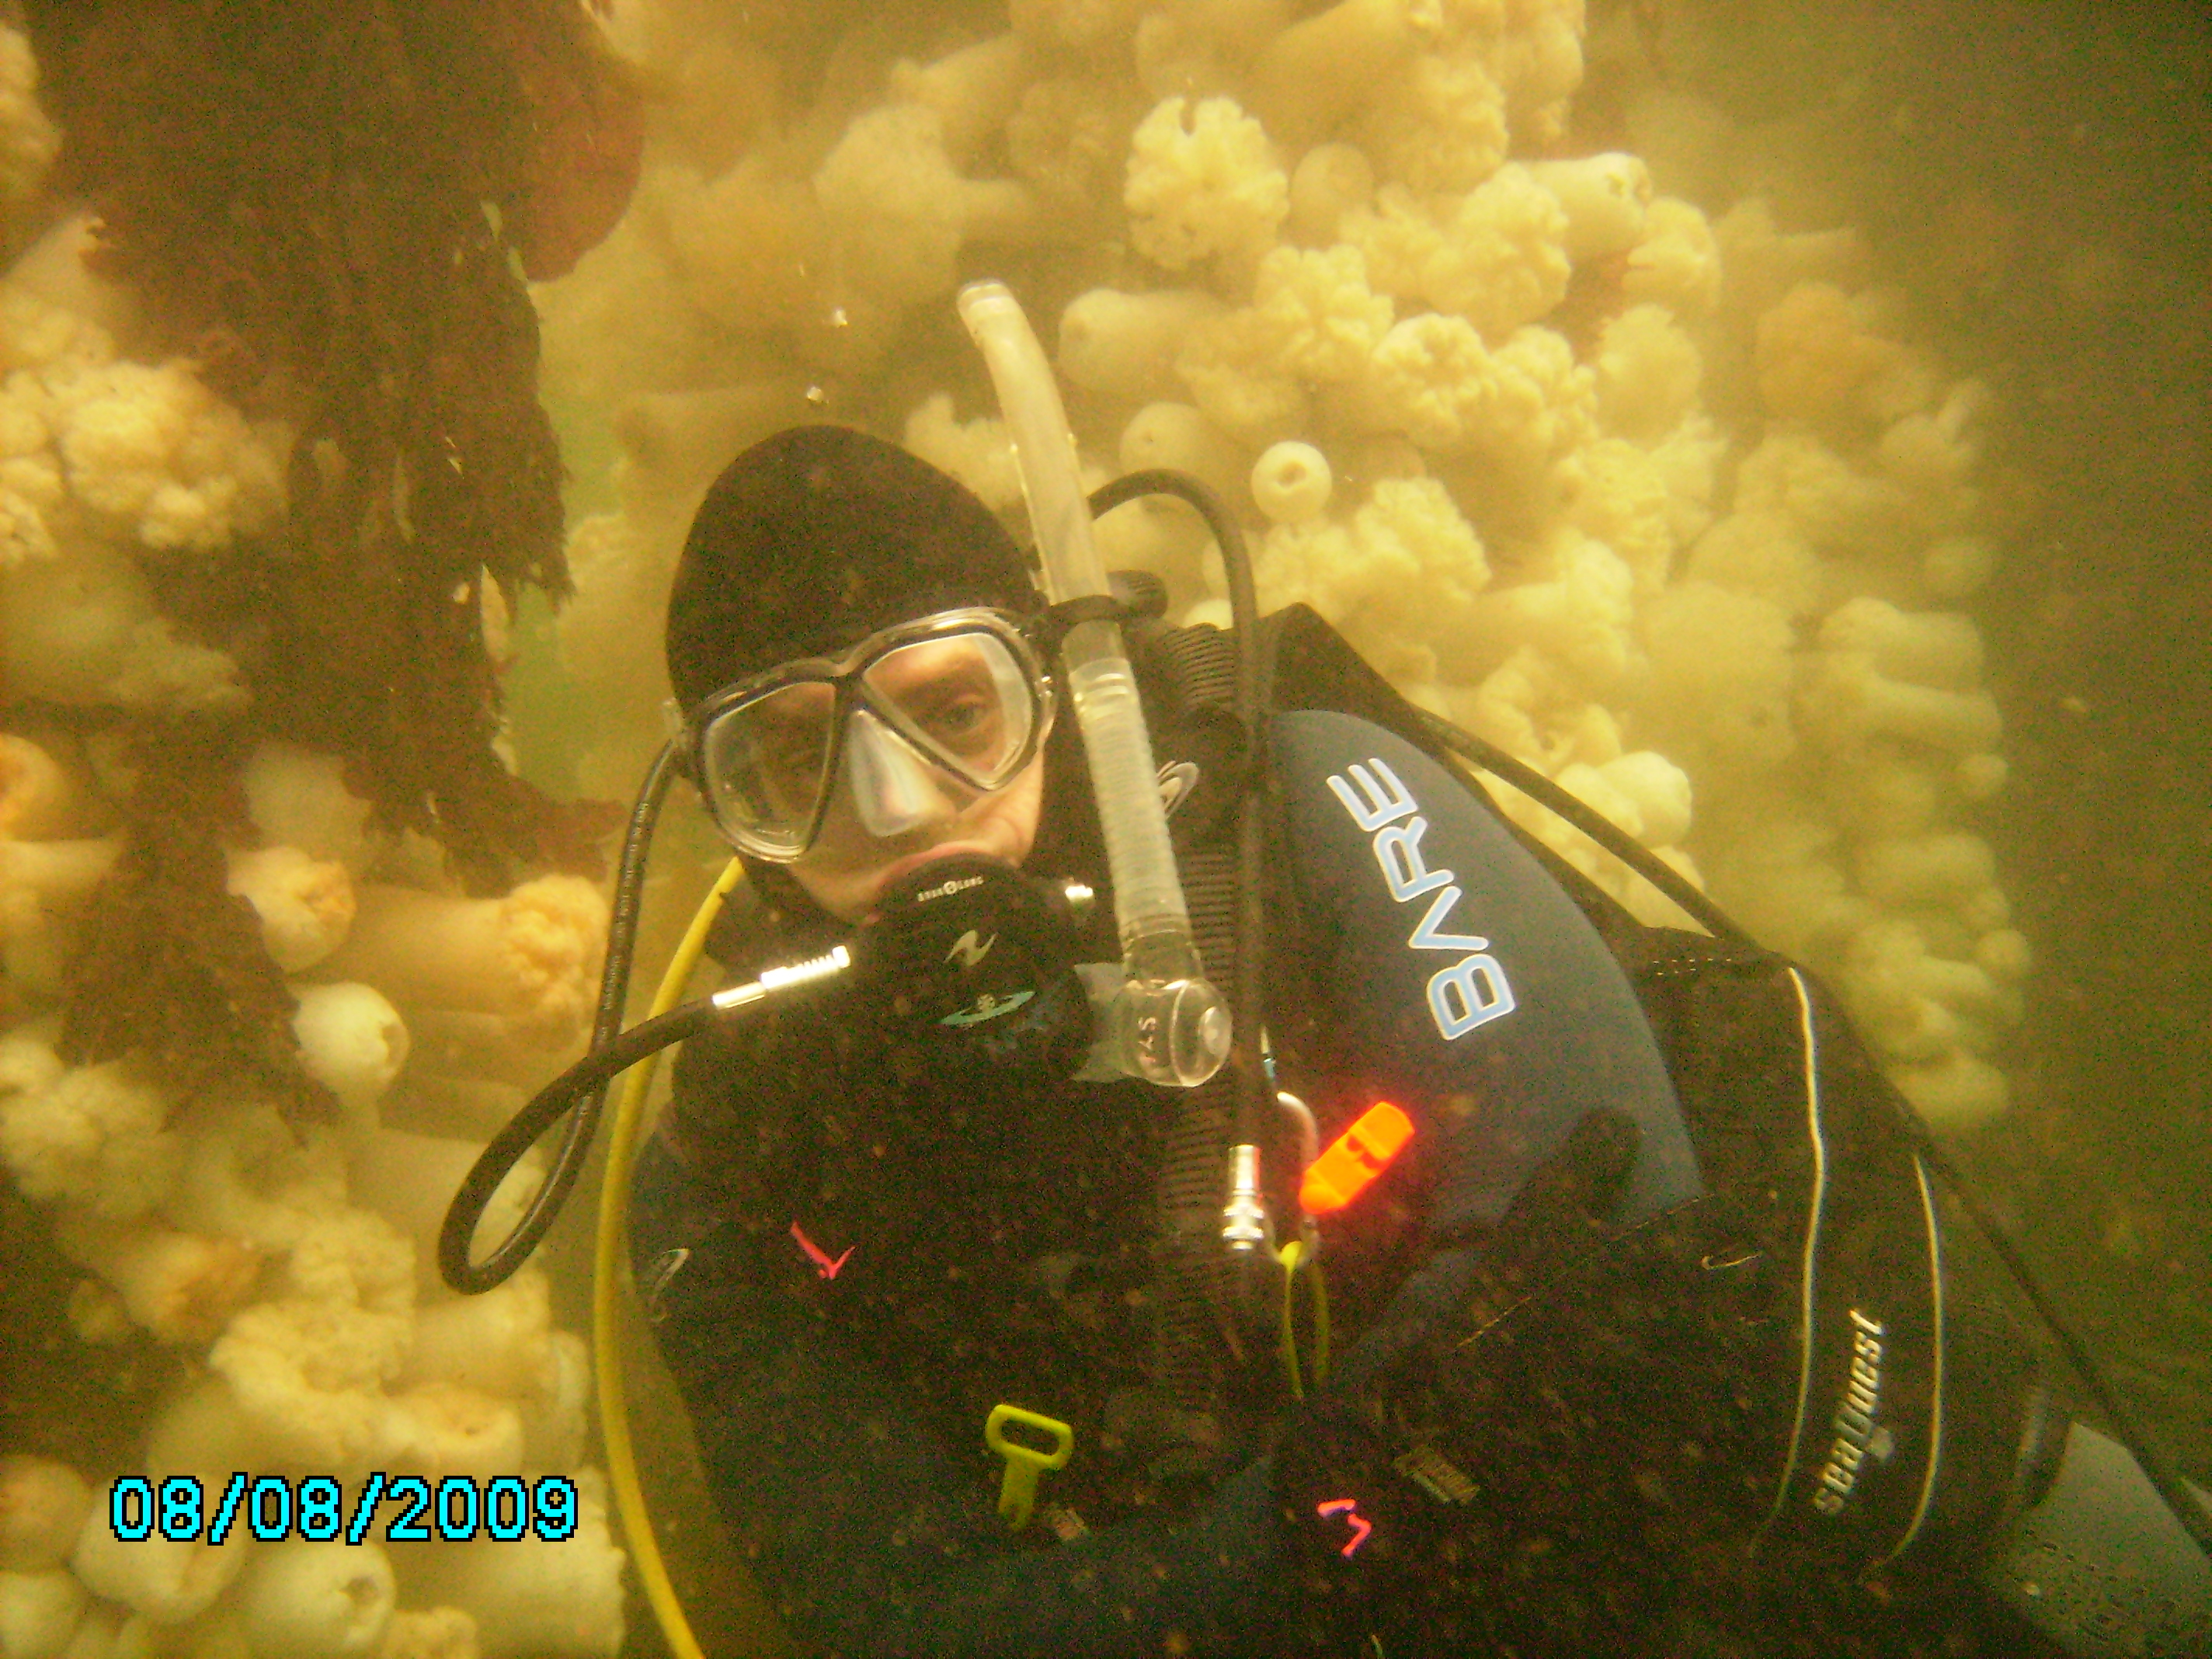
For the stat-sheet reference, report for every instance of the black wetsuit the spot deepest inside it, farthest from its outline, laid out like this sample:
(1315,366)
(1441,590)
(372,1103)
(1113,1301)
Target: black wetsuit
(1601,1390)
(997,1247)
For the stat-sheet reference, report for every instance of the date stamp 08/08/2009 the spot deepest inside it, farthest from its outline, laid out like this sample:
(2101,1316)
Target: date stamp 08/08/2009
(317,1509)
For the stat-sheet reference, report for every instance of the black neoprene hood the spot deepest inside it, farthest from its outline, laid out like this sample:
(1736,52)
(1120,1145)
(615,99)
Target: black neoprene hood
(814,539)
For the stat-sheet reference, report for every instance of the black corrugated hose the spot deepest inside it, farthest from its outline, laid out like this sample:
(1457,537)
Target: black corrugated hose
(458,1234)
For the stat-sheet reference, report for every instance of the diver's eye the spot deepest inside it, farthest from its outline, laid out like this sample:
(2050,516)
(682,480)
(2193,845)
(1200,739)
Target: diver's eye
(960,696)
(959,715)
(791,762)
(782,741)
(966,723)
(787,757)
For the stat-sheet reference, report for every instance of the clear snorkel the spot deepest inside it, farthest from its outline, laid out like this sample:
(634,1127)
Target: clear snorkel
(1169,1025)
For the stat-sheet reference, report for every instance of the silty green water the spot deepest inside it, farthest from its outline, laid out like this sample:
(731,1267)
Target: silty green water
(1673,473)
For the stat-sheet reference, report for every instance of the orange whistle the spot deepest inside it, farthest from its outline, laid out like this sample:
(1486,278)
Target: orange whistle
(1354,1158)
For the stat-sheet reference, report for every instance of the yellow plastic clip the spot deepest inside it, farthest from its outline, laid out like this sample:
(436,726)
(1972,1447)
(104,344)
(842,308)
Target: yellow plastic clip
(1017,1491)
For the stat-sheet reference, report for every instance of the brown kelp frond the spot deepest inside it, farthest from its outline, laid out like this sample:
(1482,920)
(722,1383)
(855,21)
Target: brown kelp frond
(172,966)
(325,202)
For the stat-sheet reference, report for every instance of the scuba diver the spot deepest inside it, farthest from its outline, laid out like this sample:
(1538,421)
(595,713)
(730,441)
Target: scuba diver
(1641,1329)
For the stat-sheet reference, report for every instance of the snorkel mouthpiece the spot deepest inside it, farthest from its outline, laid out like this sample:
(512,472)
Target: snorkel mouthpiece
(1172,1025)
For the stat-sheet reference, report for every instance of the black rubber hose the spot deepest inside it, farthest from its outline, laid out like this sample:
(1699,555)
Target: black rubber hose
(1595,824)
(584,1083)
(458,1235)
(1247,1005)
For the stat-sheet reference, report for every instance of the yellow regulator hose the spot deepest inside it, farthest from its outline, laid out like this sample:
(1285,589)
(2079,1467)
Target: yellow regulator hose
(609,1271)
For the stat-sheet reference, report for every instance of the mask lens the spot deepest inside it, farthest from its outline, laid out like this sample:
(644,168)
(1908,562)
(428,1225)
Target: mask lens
(765,764)
(962,698)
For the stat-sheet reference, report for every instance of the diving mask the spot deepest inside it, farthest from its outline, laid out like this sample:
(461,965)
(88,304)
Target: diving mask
(958,698)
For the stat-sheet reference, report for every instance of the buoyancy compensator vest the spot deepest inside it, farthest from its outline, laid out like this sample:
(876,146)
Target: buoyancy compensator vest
(1764,1384)
(1759,1382)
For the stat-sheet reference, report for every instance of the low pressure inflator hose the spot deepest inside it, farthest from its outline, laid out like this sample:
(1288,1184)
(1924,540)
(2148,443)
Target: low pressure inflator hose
(456,1238)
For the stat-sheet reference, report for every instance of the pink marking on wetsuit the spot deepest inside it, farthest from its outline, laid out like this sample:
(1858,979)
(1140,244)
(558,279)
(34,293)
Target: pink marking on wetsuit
(817,1255)
(1347,1507)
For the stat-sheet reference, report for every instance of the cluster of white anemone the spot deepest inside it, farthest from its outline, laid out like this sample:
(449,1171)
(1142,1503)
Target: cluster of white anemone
(296,1259)
(292,1261)
(1454,383)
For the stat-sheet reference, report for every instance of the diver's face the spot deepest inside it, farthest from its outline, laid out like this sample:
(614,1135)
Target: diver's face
(922,740)
(849,866)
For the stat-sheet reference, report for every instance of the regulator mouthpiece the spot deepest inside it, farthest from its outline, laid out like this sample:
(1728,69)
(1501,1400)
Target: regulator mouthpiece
(970,964)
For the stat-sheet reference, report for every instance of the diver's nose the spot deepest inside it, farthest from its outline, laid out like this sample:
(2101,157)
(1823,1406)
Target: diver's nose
(893,788)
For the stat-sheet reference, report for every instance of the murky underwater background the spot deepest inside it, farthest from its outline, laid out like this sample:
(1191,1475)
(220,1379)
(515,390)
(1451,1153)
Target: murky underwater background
(1673,471)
